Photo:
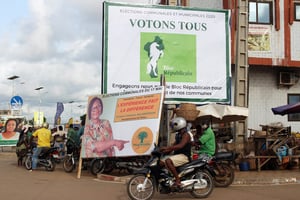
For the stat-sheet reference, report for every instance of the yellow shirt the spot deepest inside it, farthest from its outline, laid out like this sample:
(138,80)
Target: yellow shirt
(44,137)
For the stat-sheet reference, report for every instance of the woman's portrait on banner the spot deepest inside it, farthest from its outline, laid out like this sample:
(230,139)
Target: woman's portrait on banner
(98,139)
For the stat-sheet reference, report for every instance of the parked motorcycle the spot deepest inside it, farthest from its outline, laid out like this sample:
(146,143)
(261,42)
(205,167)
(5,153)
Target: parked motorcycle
(45,159)
(221,164)
(61,153)
(71,159)
(97,166)
(69,163)
(107,165)
(196,178)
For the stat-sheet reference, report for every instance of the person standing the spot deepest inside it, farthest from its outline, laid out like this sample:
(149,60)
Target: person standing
(59,140)
(43,141)
(81,129)
(23,144)
(73,140)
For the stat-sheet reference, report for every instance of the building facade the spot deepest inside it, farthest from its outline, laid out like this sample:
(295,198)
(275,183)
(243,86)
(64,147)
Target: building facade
(273,56)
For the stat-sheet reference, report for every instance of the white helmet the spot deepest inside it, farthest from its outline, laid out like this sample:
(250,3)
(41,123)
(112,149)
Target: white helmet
(45,125)
(178,123)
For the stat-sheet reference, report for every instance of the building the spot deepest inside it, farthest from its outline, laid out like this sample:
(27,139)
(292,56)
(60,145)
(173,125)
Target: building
(265,57)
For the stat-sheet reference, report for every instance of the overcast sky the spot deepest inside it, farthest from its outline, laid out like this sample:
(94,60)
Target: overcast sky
(55,44)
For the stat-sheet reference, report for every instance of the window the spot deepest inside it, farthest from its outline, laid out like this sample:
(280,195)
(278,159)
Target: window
(260,12)
(293,98)
(297,11)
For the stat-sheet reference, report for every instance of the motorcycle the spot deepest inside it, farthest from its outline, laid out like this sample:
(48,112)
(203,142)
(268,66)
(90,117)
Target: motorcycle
(196,178)
(45,159)
(71,159)
(61,153)
(221,164)
(107,165)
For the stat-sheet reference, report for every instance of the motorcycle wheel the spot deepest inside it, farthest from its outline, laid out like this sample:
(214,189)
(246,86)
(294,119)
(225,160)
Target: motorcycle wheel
(52,165)
(97,166)
(109,165)
(224,175)
(135,190)
(28,162)
(68,164)
(203,192)
(136,163)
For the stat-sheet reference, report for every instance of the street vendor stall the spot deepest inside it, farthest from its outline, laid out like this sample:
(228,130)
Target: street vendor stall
(222,118)
(274,145)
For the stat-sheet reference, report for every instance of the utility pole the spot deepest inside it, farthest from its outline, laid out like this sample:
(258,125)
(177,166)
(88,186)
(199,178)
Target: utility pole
(241,67)
(40,102)
(12,78)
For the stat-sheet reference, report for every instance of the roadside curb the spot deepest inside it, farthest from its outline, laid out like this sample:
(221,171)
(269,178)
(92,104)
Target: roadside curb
(106,177)
(247,178)
(266,181)
(237,182)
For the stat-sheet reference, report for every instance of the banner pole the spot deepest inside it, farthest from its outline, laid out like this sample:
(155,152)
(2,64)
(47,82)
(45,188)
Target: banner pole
(79,167)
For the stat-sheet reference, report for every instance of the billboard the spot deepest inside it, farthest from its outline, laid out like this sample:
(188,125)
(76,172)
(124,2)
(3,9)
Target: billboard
(122,124)
(10,130)
(189,46)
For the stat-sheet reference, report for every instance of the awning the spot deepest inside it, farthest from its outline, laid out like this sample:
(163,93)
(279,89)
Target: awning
(287,109)
(219,113)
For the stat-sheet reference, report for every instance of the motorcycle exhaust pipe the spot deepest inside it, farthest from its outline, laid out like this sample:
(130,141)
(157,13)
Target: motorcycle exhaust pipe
(194,184)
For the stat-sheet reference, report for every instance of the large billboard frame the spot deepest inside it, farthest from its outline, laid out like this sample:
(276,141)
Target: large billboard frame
(192,51)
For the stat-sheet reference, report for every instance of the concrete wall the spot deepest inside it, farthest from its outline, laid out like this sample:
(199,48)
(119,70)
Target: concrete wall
(264,93)
(216,4)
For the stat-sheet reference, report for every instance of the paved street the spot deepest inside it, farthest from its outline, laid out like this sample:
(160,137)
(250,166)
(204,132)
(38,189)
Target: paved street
(19,184)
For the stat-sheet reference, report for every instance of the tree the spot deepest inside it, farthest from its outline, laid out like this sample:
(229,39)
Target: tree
(142,135)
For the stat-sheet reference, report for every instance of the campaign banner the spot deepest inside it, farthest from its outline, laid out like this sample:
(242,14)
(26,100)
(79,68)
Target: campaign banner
(122,124)
(59,111)
(10,132)
(38,118)
(190,47)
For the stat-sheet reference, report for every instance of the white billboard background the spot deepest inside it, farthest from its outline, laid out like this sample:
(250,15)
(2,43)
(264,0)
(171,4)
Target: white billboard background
(124,24)
(125,124)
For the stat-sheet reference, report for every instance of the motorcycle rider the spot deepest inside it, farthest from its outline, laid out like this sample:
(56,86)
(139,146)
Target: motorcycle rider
(181,148)
(44,139)
(73,141)
(207,141)
(59,140)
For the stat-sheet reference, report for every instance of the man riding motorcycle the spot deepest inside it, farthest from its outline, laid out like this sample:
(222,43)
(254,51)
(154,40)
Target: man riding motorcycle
(181,148)
(44,138)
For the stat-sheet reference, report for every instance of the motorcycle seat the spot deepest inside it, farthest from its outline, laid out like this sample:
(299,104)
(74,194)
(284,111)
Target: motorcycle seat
(225,156)
(47,150)
(193,162)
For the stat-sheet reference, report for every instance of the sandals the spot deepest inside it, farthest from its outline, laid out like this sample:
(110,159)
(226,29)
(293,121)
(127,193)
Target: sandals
(176,185)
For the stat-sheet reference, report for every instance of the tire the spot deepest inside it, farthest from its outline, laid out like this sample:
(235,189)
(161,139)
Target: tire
(52,165)
(57,160)
(68,164)
(97,166)
(28,162)
(109,165)
(224,175)
(135,191)
(203,192)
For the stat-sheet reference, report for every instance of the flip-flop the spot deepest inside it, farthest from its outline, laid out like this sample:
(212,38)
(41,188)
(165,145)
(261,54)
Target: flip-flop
(176,185)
